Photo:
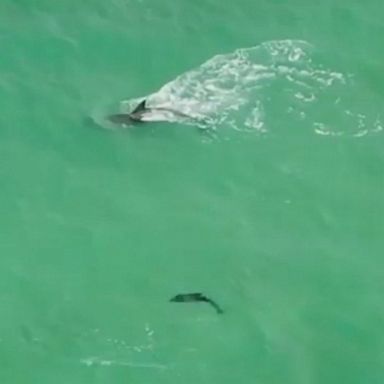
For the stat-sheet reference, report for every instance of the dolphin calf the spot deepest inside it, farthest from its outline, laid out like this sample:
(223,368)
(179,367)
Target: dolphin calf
(142,113)
(195,297)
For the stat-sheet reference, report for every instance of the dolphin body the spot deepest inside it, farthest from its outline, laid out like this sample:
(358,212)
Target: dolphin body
(194,298)
(142,114)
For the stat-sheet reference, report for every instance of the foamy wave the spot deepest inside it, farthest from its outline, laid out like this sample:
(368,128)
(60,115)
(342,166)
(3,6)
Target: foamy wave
(260,88)
(98,361)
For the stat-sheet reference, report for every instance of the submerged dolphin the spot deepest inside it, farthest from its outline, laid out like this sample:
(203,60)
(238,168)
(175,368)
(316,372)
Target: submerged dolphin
(140,113)
(195,297)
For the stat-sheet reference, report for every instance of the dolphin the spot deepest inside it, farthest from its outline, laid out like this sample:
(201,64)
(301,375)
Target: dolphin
(195,297)
(130,118)
(142,113)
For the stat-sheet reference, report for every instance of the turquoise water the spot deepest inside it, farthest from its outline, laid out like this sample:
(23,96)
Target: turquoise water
(276,211)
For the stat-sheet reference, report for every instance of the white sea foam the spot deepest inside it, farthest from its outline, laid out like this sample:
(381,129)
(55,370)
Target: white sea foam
(259,88)
(98,361)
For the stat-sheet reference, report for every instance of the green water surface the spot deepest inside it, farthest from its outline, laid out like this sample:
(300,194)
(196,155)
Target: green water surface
(100,228)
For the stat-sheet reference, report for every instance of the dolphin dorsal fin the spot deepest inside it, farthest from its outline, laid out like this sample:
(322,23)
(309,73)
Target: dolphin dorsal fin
(140,107)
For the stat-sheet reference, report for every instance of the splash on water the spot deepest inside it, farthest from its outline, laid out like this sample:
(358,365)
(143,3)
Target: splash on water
(261,89)
(98,361)
(122,353)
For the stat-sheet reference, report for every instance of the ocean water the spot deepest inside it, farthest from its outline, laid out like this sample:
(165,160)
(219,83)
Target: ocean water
(269,201)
